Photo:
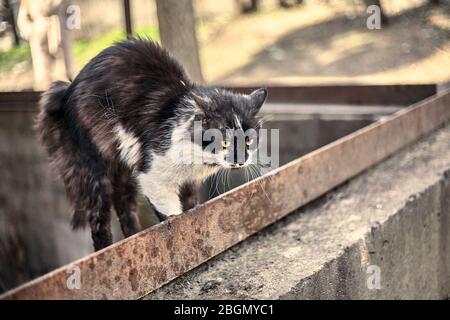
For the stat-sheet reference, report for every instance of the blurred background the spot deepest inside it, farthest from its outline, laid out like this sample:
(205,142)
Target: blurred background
(237,41)
(229,42)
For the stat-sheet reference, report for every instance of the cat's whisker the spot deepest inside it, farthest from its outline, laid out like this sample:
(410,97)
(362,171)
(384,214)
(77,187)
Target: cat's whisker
(210,186)
(260,185)
(228,179)
(217,182)
(258,167)
(250,178)
(264,174)
(222,180)
(246,174)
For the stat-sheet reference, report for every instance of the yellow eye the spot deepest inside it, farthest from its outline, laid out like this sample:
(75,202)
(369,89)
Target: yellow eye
(225,144)
(249,142)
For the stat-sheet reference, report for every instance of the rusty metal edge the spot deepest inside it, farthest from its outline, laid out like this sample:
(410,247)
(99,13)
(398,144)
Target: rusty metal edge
(144,262)
(335,94)
(401,94)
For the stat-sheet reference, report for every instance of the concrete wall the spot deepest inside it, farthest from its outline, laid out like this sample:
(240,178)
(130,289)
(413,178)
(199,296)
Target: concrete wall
(394,218)
(35,233)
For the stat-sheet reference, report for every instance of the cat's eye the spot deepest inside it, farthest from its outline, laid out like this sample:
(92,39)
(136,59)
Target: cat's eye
(248,141)
(225,144)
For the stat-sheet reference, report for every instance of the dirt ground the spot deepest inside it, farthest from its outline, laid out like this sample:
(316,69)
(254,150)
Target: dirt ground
(317,42)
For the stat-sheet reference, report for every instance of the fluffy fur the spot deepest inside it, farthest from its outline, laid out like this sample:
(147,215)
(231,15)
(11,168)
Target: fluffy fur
(126,123)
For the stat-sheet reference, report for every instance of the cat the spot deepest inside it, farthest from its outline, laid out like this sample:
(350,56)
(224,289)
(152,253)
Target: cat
(126,124)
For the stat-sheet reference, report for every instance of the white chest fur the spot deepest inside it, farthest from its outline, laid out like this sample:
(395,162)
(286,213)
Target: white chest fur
(182,162)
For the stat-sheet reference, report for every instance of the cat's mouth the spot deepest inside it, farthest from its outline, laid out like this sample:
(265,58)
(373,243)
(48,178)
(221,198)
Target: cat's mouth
(233,166)
(228,166)
(211,164)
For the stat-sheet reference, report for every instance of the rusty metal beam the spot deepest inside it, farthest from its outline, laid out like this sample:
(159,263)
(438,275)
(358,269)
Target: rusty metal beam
(401,95)
(135,266)
(19,101)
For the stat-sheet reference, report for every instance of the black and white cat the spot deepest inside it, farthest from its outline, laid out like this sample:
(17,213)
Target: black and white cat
(127,122)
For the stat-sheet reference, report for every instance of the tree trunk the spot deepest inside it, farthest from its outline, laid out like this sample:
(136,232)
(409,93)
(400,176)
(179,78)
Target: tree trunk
(248,6)
(11,18)
(177,31)
(127,14)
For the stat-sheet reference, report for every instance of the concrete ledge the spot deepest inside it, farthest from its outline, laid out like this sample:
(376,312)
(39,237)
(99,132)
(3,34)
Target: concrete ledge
(395,217)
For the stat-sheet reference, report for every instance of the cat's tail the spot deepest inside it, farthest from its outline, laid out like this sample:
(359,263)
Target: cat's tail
(54,134)
(50,121)
(52,99)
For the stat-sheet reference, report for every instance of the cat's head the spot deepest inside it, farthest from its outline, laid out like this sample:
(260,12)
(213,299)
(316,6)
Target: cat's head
(225,125)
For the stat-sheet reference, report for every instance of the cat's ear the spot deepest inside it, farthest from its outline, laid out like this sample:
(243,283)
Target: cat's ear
(257,99)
